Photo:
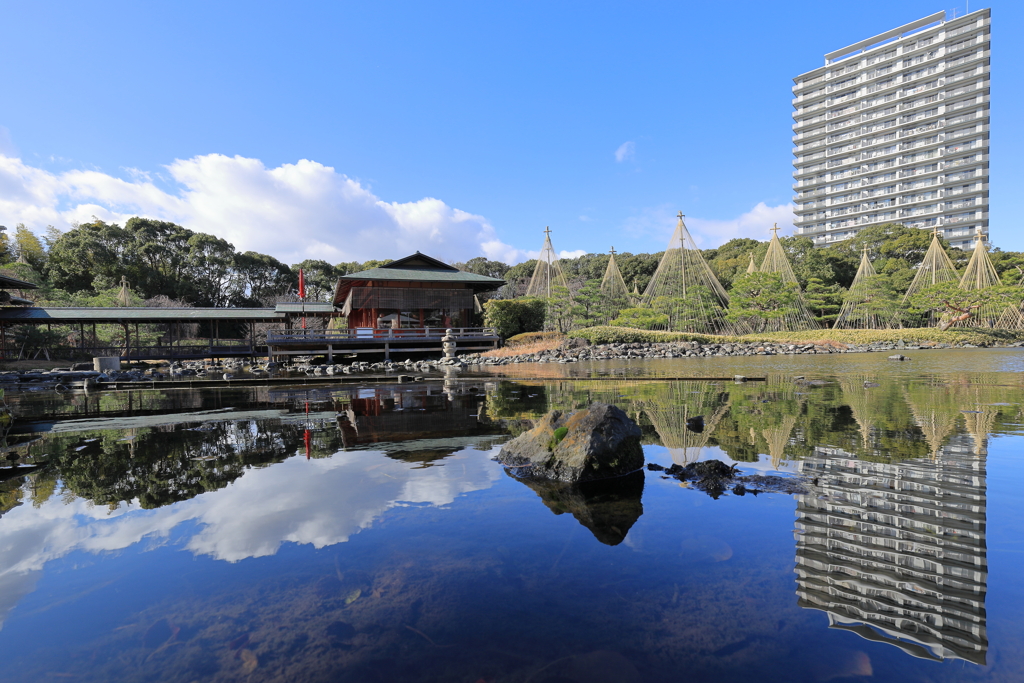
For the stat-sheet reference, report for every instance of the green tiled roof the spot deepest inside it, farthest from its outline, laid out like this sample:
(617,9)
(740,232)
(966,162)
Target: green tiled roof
(424,275)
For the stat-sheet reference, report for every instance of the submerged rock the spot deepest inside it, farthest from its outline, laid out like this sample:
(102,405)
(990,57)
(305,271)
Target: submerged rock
(597,443)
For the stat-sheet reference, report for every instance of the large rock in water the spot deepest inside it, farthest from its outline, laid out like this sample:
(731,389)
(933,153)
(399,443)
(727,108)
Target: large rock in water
(587,445)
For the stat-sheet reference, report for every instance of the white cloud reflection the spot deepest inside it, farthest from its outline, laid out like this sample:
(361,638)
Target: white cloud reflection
(317,502)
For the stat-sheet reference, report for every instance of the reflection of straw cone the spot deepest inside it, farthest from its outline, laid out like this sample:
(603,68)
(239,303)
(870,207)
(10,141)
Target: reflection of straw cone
(980,422)
(777,438)
(670,422)
(935,420)
(859,400)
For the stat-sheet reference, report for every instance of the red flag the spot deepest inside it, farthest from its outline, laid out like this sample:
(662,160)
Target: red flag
(302,285)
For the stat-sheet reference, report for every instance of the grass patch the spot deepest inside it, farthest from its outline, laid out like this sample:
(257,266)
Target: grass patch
(528,342)
(607,334)
(919,335)
(835,338)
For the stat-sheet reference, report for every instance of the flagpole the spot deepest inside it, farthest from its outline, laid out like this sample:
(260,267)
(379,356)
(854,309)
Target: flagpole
(302,296)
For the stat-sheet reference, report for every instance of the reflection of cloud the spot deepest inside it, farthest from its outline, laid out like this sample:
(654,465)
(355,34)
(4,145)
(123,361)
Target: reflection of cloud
(318,502)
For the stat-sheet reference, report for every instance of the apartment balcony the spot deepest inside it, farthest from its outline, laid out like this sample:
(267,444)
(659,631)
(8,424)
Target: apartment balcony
(972,160)
(960,218)
(802,172)
(920,144)
(977,55)
(925,197)
(977,72)
(803,111)
(964,44)
(971,188)
(966,89)
(971,102)
(962,204)
(924,101)
(802,123)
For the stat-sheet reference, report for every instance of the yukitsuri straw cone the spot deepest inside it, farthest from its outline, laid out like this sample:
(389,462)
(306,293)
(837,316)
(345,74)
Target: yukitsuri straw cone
(547,275)
(696,300)
(855,314)
(775,261)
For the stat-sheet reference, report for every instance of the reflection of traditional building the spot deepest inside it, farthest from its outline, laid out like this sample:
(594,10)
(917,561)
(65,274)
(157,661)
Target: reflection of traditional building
(392,414)
(895,552)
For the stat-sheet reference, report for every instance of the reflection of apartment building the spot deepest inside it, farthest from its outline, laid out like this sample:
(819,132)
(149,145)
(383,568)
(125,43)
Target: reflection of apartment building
(894,129)
(895,552)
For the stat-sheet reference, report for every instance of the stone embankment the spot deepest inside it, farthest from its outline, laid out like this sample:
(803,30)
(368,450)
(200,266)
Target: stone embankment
(648,350)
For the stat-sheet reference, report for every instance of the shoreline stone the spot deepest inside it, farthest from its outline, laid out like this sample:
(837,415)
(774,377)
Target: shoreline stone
(571,353)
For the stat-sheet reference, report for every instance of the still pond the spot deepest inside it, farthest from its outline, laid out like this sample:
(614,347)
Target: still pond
(365,533)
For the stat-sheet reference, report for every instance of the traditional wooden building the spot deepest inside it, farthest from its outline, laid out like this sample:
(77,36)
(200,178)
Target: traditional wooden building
(415,292)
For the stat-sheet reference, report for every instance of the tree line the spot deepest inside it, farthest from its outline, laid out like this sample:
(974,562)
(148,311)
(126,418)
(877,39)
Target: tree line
(824,274)
(160,262)
(165,262)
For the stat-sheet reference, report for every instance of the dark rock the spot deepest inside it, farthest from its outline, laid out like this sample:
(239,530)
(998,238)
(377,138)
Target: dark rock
(898,356)
(655,467)
(695,424)
(597,443)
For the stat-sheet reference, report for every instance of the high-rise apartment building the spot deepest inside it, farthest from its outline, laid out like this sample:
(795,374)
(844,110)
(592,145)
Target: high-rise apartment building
(895,129)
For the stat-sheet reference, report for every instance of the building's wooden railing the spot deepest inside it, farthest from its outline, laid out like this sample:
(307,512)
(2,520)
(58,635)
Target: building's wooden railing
(359,334)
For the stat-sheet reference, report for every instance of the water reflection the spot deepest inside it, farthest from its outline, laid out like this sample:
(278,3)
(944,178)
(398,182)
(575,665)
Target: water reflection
(400,551)
(895,551)
(609,509)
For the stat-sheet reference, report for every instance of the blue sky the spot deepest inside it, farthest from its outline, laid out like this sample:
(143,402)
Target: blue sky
(364,130)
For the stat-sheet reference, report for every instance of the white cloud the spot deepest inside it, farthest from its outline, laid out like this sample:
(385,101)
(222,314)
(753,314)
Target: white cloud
(625,151)
(294,211)
(654,222)
(755,224)
(576,253)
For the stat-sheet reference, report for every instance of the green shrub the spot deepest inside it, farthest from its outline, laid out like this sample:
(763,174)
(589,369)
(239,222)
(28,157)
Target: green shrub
(510,317)
(640,318)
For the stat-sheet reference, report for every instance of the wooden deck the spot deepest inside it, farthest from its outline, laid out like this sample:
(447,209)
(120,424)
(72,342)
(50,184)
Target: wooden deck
(328,343)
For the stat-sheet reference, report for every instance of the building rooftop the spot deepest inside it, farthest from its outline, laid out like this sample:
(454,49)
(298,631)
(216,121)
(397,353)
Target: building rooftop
(415,268)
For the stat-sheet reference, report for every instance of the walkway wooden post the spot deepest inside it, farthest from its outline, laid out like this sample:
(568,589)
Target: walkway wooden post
(127,341)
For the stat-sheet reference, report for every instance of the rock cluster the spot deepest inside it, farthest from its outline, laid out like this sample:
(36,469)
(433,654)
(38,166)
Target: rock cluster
(650,350)
(714,478)
(357,367)
(599,442)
